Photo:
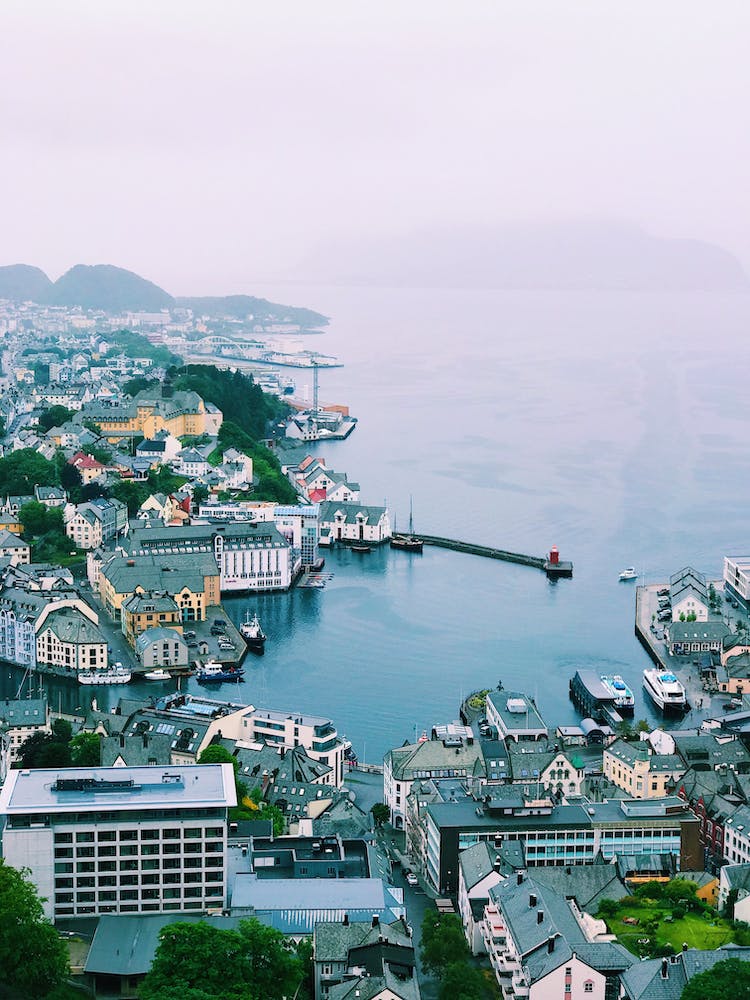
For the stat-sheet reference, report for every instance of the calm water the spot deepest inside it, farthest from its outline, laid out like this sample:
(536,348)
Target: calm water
(611,425)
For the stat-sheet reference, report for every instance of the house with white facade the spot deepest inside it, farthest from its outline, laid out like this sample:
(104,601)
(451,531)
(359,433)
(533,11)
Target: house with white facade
(69,639)
(14,548)
(688,595)
(355,523)
(189,462)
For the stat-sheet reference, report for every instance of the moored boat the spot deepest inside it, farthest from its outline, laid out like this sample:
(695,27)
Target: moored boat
(253,634)
(213,672)
(160,674)
(410,542)
(624,700)
(116,674)
(629,574)
(360,547)
(665,690)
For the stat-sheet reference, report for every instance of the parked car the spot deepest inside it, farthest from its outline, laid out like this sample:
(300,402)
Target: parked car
(412,879)
(189,635)
(664,616)
(219,623)
(215,630)
(664,592)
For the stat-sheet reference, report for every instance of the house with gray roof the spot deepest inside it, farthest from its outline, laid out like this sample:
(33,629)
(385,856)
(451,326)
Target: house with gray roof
(688,595)
(364,958)
(15,548)
(161,647)
(666,978)
(353,522)
(515,716)
(688,638)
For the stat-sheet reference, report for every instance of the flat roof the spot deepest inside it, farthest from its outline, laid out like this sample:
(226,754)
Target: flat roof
(81,789)
(311,893)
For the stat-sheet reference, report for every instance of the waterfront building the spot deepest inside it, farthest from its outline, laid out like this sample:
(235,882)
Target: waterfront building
(14,548)
(541,944)
(191,579)
(641,773)
(70,640)
(688,595)
(250,556)
(162,647)
(558,835)
(351,522)
(120,840)
(689,638)
(515,716)
(368,958)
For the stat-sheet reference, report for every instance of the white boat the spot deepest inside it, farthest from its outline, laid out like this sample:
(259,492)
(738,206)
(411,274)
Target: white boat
(160,674)
(665,690)
(622,694)
(116,674)
(629,574)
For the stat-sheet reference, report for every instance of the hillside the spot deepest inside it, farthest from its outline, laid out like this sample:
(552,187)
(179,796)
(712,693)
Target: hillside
(243,306)
(103,286)
(24,283)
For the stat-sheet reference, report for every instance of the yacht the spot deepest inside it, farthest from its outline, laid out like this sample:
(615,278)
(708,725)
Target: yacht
(665,690)
(624,700)
(629,574)
(116,674)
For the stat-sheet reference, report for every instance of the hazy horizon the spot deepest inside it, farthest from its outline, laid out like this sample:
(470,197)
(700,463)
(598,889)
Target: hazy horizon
(217,149)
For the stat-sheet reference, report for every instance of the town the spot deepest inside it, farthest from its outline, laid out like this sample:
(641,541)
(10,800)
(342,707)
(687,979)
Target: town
(611,857)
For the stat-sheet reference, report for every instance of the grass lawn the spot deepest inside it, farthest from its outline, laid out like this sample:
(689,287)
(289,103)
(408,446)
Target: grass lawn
(215,457)
(693,928)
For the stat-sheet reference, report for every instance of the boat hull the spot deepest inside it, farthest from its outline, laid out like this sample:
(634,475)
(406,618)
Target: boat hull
(91,678)
(660,699)
(406,543)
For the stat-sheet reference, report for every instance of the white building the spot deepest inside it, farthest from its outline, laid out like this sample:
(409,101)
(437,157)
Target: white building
(351,522)
(737,837)
(20,719)
(121,840)
(15,548)
(737,578)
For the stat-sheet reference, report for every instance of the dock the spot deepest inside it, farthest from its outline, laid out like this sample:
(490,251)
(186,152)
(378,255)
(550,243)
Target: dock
(549,564)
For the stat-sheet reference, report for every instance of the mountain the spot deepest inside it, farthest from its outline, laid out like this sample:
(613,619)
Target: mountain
(566,256)
(24,283)
(103,286)
(242,306)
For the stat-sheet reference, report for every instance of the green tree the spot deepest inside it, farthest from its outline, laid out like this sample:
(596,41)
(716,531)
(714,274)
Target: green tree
(41,750)
(33,517)
(380,813)
(131,494)
(86,750)
(24,469)
(217,754)
(70,479)
(460,981)
(729,980)
(136,385)
(199,960)
(443,942)
(55,416)
(200,495)
(33,959)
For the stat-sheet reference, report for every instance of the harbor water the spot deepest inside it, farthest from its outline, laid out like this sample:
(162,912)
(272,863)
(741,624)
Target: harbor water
(609,424)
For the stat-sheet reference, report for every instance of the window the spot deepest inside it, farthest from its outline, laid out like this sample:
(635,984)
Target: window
(588,986)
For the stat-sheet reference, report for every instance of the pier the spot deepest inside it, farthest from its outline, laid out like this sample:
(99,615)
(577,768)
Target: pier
(549,566)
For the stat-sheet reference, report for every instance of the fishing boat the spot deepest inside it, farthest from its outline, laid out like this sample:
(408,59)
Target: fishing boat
(116,674)
(624,700)
(213,672)
(665,690)
(360,547)
(410,542)
(253,634)
(160,674)
(629,574)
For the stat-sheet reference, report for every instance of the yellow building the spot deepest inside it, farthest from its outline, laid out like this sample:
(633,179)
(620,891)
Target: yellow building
(637,770)
(190,579)
(180,414)
(146,610)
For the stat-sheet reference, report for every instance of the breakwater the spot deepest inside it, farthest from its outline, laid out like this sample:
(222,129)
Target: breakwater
(536,562)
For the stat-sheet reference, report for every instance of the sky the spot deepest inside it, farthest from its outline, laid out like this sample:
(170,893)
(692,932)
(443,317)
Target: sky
(213,145)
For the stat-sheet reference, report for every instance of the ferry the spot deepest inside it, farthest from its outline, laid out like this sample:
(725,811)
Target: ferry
(629,574)
(116,674)
(213,672)
(665,690)
(253,634)
(624,700)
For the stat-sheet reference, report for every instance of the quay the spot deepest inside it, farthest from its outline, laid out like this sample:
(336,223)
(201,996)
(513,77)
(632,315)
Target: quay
(550,565)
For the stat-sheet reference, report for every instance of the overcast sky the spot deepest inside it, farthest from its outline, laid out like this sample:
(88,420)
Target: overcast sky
(210,145)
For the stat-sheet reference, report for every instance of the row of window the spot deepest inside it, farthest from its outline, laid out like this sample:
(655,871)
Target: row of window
(111,836)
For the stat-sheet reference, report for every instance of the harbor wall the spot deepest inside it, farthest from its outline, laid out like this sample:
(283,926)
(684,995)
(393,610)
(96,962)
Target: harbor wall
(536,562)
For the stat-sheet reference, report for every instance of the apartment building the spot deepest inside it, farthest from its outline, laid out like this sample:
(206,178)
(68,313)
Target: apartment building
(637,770)
(120,840)
(190,579)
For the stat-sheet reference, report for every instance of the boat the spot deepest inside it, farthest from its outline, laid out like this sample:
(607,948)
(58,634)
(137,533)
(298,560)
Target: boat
(624,700)
(213,672)
(665,690)
(253,634)
(629,574)
(410,542)
(360,547)
(116,674)
(160,674)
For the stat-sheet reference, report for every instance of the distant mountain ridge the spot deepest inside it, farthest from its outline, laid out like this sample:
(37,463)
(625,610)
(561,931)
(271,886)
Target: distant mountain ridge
(566,256)
(113,289)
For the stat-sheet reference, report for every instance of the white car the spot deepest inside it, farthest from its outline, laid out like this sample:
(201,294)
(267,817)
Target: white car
(412,879)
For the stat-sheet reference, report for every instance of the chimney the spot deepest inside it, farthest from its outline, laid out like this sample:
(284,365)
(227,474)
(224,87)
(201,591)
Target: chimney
(532,899)
(664,969)
(519,878)
(684,946)
(375,920)
(345,921)
(122,739)
(550,945)
(540,916)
